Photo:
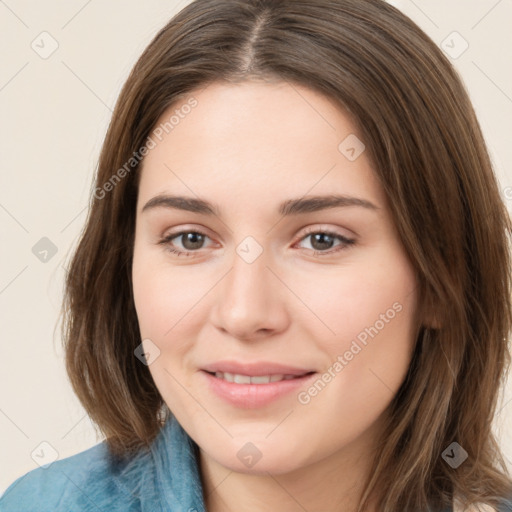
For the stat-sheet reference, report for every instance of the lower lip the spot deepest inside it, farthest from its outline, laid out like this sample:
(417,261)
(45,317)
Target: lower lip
(250,396)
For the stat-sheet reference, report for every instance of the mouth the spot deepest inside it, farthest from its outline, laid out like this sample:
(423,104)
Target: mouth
(239,378)
(256,388)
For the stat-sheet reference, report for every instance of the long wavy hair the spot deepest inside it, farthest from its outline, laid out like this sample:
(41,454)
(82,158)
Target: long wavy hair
(425,143)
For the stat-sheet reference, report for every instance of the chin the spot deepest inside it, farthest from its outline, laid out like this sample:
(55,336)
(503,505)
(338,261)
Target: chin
(262,467)
(258,457)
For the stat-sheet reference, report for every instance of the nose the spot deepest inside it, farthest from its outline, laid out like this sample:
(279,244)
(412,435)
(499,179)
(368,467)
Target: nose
(251,300)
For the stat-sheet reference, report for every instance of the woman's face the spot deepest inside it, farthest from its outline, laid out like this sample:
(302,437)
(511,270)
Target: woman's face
(283,335)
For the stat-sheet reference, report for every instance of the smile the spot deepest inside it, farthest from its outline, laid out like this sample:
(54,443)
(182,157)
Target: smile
(257,379)
(254,391)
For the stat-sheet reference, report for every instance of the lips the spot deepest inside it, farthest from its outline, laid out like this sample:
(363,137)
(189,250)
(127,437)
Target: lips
(253,385)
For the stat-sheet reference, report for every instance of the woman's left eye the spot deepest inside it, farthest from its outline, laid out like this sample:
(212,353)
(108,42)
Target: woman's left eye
(192,241)
(322,237)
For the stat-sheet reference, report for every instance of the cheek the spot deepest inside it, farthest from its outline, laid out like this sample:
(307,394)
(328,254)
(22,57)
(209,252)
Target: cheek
(151,297)
(367,298)
(371,311)
(163,298)
(367,311)
(164,307)
(171,309)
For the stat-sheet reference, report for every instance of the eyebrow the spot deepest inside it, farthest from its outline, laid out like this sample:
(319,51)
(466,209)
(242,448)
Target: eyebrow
(286,208)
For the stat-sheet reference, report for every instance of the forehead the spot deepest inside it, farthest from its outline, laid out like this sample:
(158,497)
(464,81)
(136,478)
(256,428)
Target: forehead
(256,139)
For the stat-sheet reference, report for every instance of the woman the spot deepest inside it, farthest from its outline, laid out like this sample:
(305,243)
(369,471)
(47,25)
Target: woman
(293,288)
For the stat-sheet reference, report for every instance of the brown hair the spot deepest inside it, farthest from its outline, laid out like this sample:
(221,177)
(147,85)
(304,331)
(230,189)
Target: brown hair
(424,140)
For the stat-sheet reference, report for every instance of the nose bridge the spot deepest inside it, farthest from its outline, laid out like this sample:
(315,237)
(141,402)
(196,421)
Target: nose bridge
(249,300)
(249,275)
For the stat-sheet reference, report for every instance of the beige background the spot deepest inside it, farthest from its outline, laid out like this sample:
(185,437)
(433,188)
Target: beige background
(54,114)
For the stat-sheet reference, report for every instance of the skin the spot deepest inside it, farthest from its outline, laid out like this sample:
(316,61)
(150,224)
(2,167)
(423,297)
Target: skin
(247,148)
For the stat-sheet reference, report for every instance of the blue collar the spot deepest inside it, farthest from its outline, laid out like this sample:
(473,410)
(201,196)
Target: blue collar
(175,457)
(164,479)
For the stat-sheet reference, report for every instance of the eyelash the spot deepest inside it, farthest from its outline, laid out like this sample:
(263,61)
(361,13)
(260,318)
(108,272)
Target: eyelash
(347,242)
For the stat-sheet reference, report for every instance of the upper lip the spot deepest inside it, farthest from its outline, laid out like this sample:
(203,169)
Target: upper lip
(255,369)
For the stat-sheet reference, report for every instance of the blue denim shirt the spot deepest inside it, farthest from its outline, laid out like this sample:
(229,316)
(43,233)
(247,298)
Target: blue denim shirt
(166,478)
(163,479)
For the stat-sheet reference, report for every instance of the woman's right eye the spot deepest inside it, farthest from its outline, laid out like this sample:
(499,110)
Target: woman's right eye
(196,238)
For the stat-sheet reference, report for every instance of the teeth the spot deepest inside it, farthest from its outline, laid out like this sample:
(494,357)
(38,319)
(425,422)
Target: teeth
(241,379)
(263,379)
(229,377)
(247,379)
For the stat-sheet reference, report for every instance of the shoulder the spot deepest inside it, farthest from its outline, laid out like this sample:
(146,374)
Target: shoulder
(90,480)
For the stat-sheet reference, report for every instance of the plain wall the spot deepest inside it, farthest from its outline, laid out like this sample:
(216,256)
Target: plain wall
(54,113)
